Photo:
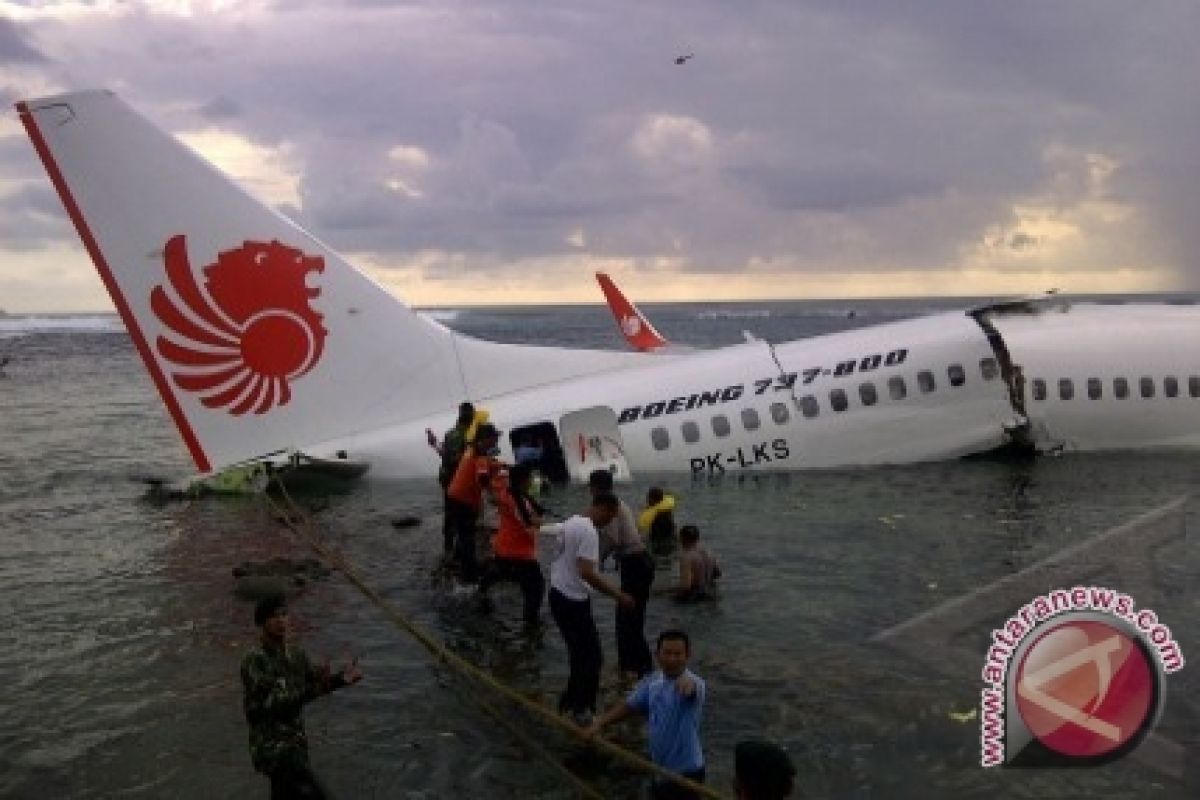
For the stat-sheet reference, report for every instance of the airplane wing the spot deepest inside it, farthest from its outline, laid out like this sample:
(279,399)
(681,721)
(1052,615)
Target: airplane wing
(634,326)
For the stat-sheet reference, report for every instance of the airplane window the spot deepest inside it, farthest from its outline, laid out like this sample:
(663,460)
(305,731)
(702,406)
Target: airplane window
(1095,388)
(988,368)
(660,438)
(1147,387)
(750,419)
(1194,386)
(896,387)
(779,413)
(720,425)
(690,431)
(866,393)
(1171,386)
(809,407)
(1066,388)
(1039,389)
(925,381)
(837,400)
(958,376)
(1120,388)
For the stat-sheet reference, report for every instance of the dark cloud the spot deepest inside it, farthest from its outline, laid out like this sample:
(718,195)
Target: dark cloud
(1022,241)
(14,49)
(832,189)
(31,218)
(19,159)
(885,134)
(219,109)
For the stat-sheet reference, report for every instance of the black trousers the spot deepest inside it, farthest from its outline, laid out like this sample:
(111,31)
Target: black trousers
(447,524)
(462,520)
(294,782)
(578,628)
(523,571)
(637,576)
(665,790)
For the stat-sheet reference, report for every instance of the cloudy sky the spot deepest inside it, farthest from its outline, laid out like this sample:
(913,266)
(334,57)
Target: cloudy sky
(466,151)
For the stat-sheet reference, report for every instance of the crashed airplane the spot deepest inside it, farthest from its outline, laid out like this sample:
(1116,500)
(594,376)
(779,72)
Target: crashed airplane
(261,340)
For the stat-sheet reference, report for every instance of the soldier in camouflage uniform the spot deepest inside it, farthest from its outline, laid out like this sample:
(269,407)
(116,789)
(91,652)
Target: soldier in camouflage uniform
(451,450)
(278,681)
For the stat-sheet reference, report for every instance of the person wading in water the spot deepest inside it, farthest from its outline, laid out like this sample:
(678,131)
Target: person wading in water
(450,451)
(278,680)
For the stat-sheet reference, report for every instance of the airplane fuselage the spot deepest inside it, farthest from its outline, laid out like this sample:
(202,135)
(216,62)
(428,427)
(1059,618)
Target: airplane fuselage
(917,390)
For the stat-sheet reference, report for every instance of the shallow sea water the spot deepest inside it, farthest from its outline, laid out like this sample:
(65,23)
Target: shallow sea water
(121,635)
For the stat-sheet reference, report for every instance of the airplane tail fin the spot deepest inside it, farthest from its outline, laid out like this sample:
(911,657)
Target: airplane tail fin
(258,337)
(634,326)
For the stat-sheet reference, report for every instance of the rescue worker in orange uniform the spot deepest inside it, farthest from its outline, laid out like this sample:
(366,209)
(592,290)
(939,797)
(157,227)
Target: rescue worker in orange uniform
(465,496)
(515,543)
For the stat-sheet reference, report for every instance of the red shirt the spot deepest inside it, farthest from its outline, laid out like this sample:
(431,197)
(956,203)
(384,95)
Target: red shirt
(514,539)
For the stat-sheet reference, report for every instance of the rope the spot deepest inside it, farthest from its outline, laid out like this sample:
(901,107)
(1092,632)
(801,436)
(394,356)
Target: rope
(538,751)
(451,659)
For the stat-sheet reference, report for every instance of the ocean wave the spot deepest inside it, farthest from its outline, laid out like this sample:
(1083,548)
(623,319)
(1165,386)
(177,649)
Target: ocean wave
(866,311)
(848,312)
(724,313)
(13,326)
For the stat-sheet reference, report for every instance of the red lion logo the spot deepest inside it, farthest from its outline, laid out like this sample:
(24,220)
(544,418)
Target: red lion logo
(241,339)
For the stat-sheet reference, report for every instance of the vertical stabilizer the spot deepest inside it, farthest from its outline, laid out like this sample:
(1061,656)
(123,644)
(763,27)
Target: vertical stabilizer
(257,336)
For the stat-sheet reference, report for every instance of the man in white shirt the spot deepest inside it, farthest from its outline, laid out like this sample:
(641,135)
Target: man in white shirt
(574,575)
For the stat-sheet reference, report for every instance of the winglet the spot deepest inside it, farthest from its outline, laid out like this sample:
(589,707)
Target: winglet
(634,326)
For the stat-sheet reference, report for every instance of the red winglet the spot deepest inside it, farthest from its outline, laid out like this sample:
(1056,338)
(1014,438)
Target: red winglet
(634,326)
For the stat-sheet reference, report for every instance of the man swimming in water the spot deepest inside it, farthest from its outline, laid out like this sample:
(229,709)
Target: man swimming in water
(698,568)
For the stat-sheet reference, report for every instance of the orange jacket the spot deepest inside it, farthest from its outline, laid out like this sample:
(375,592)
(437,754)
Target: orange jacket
(515,539)
(473,471)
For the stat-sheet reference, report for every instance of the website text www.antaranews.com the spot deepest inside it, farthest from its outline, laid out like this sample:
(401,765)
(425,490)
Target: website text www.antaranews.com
(1007,638)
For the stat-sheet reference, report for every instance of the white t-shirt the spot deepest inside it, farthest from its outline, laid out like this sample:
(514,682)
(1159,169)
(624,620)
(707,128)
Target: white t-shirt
(577,539)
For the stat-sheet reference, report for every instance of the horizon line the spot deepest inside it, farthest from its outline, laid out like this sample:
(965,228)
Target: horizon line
(601,303)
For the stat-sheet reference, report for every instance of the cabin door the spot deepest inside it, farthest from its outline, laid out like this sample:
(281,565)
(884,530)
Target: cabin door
(539,445)
(591,440)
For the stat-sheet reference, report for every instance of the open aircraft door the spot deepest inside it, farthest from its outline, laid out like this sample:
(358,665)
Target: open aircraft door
(591,440)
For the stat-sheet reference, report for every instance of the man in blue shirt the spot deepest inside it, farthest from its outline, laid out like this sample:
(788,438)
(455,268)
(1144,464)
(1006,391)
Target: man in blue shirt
(672,700)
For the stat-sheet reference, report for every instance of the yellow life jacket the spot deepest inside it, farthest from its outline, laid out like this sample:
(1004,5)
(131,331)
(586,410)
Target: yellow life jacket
(646,518)
(481,416)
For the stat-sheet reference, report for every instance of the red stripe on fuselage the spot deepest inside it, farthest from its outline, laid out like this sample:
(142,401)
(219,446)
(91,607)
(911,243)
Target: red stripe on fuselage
(114,290)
